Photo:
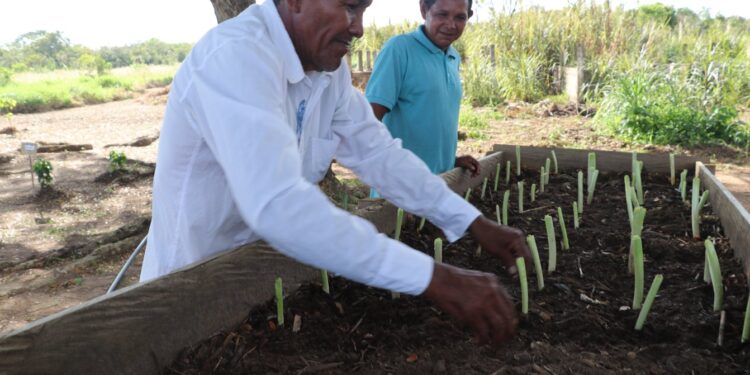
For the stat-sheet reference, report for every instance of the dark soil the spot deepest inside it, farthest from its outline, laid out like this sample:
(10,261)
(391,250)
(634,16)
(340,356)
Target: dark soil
(132,171)
(580,323)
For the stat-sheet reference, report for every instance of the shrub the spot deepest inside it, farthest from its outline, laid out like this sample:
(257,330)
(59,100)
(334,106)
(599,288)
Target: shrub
(43,170)
(5,76)
(117,160)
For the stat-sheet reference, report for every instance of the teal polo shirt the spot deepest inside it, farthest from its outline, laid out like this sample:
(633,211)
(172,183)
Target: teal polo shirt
(420,85)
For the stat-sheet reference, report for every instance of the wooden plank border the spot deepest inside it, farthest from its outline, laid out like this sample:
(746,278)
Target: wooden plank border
(733,216)
(607,161)
(140,329)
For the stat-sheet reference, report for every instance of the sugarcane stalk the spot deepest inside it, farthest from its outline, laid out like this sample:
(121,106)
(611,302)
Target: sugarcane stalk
(541,179)
(580,192)
(683,184)
(552,243)
(399,224)
(421,225)
(533,192)
(554,160)
(438,246)
(521,266)
(497,213)
(507,172)
(746,324)
(637,246)
(671,170)
(518,160)
(531,241)
(547,167)
(484,187)
(520,196)
(506,199)
(592,186)
(576,221)
(279,301)
(497,177)
(655,285)
(715,271)
(468,194)
(628,200)
(563,229)
(324,279)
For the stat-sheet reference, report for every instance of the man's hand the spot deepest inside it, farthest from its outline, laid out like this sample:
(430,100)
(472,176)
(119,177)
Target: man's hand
(505,242)
(468,162)
(477,299)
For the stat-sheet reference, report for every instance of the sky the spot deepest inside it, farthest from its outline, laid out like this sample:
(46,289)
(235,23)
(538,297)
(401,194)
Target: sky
(97,23)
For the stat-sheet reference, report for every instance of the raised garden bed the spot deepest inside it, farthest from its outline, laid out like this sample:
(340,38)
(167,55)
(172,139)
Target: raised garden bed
(143,328)
(581,322)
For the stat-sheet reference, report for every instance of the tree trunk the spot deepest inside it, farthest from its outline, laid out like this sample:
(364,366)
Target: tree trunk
(226,9)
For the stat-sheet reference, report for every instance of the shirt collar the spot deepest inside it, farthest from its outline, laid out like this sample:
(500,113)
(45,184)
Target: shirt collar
(280,38)
(421,36)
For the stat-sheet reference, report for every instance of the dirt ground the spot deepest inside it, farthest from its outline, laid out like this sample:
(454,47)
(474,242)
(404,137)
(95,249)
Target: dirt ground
(58,250)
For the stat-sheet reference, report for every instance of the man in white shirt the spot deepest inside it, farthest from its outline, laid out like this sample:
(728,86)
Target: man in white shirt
(255,115)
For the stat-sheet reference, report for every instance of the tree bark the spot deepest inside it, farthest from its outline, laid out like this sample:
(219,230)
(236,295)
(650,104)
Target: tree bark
(226,9)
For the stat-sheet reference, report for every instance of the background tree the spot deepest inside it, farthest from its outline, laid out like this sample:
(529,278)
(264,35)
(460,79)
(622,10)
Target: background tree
(226,9)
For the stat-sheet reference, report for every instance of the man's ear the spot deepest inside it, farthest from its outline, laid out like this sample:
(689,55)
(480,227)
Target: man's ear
(295,6)
(423,9)
(471,13)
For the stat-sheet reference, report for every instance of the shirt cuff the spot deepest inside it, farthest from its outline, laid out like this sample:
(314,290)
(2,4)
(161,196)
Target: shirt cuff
(405,270)
(455,216)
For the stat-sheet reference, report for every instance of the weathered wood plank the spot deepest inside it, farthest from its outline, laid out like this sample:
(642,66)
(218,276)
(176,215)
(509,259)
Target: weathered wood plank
(140,329)
(734,217)
(607,161)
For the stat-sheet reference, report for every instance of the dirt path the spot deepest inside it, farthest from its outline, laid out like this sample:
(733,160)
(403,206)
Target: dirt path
(58,251)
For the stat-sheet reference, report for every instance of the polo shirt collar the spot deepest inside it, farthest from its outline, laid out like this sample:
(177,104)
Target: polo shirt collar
(421,35)
(280,38)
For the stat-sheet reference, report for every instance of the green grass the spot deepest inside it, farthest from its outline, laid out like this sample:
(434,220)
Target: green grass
(474,122)
(71,89)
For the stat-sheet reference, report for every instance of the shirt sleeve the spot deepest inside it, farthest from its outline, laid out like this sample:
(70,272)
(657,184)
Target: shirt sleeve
(384,84)
(235,98)
(367,148)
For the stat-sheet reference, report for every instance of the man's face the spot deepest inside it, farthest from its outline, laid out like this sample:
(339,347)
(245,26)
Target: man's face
(444,22)
(323,30)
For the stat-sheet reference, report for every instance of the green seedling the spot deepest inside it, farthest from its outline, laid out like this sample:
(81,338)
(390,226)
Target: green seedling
(421,225)
(531,241)
(591,167)
(592,186)
(497,213)
(468,194)
(117,160)
(714,269)
(628,199)
(683,184)
(746,324)
(43,170)
(497,177)
(576,221)
(438,246)
(671,170)
(506,199)
(636,228)
(580,192)
(399,224)
(696,207)
(552,243)
(554,160)
(547,171)
(518,160)
(533,192)
(521,266)
(655,285)
(637,245)
(541,179)
(279,302)
(563,230)
(484,187)
(324,278)
(520,196)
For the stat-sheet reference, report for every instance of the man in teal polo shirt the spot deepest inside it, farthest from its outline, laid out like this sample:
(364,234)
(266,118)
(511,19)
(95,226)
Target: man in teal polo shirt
(415,87)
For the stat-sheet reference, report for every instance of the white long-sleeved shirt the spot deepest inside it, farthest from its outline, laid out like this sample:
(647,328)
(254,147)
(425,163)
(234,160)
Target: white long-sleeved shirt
(235,166)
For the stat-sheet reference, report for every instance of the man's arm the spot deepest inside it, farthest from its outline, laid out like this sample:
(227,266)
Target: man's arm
(379,111)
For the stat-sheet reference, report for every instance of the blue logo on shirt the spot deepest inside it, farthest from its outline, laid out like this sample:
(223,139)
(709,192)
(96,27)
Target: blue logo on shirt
(300,115)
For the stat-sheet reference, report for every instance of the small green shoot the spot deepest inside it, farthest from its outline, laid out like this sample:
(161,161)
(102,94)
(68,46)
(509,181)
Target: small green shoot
(506,199)
(43,170)
(591,168)
(655,285)
(421,225)
(438,246)
(628,200)
(541,179)
(399,224)
(497,176)
(683,184)
(279,302)
(497,213)
(696,207)
(715,271)
(554,160)
(552,243)
(324,279)
(563,230)
(520,196)
(547,171)
(592,186)
(521,266)
(580,192)
(531,241)
(576,221)
(518,160)
(533,192)
(746,324)
(468,194)
(637,245)
(484,187)
(117,160)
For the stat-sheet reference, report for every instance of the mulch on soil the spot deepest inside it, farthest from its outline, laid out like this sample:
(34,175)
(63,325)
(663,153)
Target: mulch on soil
(580,323)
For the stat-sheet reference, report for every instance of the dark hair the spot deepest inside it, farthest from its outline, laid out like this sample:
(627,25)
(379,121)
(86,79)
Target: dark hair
(430,3)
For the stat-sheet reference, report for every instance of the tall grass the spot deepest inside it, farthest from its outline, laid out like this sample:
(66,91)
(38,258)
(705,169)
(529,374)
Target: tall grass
(50,91)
